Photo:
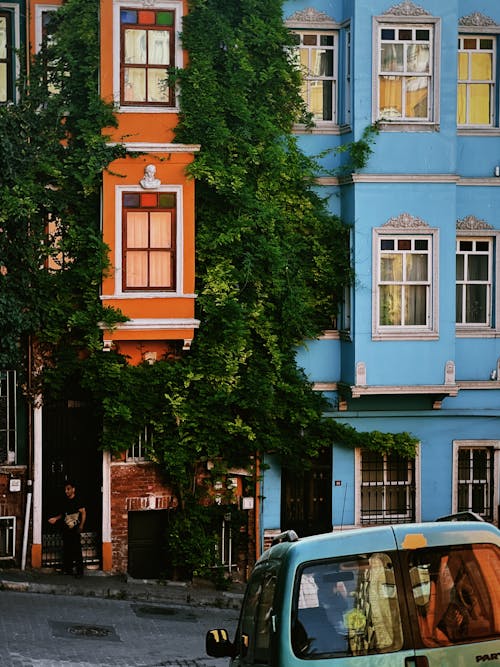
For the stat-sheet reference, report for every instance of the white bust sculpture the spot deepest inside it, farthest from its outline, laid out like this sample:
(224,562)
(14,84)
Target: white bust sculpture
(150,181)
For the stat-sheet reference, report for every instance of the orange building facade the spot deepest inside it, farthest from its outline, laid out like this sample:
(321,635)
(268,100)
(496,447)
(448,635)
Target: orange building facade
(148,223)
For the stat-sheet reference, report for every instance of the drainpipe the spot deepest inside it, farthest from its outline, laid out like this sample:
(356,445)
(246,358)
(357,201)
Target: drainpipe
(29,471)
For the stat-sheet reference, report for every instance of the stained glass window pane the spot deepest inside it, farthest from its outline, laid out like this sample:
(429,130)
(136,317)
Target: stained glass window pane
(149,199)
(131,201)
(128,16)
(167,200)
(164,18)
(146,17)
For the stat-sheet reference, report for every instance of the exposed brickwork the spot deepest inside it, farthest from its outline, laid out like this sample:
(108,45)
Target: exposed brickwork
(134,486)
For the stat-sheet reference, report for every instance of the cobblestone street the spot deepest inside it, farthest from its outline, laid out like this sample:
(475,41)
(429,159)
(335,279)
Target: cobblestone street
(39,630)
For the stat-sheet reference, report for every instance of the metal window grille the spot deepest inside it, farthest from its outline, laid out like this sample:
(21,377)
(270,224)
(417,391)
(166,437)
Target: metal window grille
(7,537)
(138,451)
(8,417)
(52,547)
(475,476)
(387,489)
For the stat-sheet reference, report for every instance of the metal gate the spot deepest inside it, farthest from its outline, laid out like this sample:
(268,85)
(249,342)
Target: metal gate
(70,451)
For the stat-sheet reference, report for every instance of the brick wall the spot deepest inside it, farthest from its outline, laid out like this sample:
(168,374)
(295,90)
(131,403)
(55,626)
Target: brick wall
(134,487)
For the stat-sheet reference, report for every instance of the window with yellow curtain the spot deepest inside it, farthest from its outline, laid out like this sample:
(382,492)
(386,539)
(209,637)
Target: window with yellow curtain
(405,73)
(404,281)
(476,79)
(149,241)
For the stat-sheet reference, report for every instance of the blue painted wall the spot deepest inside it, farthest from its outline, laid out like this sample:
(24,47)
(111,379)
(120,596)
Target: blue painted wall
(463,184)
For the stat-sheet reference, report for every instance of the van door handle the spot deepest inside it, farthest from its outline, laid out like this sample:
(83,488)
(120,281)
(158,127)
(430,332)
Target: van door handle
(417,661)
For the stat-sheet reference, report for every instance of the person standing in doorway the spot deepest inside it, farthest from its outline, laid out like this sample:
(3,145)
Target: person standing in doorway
(73,516)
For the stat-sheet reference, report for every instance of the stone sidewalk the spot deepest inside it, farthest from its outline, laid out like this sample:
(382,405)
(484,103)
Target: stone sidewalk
(121,587)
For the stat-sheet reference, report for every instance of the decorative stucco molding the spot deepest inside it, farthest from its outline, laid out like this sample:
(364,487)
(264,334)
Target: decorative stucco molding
(470,222)
(405,221)
(309,15)
(477,20)
(407,8)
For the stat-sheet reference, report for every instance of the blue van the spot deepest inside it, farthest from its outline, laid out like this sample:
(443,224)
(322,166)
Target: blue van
(411,595)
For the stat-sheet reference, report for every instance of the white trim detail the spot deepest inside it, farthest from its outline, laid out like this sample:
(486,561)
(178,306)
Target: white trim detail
(39,10)
(179,250)
(106,496)
(164,324)
(145,147)
(172,5)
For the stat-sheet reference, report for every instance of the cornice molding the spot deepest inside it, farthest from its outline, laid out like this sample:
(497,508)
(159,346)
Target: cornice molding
(406,221)
(470,222)
(477,20)
(406,8)
(309,15)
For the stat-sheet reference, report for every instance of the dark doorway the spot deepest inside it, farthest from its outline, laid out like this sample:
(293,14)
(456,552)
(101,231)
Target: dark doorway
(70,451)
(147,553)
(306,497)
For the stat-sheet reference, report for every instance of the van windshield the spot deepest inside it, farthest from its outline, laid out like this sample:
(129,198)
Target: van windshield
(457,593)
(347,607)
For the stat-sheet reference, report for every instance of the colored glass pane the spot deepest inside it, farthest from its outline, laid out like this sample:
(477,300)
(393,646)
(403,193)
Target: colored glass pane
(164,18)
(128,16)
(131,201)
(146,17)
(149,199)
(167,200)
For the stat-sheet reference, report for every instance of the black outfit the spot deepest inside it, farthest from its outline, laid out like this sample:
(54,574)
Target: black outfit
(72,547)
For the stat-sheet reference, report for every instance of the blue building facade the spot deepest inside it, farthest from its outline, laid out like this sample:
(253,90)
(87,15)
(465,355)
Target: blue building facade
(417,343)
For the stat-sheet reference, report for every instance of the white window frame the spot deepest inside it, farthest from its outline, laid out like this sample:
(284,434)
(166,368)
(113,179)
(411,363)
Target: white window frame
(488,283)
(8,402)
(494,446)
(175,6)
(464,330)
(469,83)
(40,10)
(179,251)
(398,22)
(347,107)
(413,332)
(358,455)
(309,81)
(14,10)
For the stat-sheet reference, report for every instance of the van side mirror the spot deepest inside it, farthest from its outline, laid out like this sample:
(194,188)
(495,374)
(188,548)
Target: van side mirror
(218,644)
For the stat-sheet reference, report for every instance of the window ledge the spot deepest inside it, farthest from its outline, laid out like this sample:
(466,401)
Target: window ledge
(406,335)
(387,390)
(477,332)
(146,110)
(403,126)
(478,131)
(330,128)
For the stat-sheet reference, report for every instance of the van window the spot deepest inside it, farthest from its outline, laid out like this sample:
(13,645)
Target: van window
(457,593)
(254,633)
(346,607)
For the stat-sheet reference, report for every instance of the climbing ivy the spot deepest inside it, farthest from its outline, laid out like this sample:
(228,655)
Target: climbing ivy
(272,261)
(53,153)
